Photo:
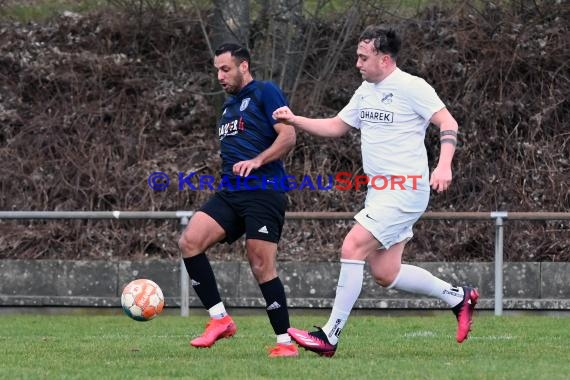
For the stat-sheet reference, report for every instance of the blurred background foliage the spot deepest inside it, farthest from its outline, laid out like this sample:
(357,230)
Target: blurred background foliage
(96,95)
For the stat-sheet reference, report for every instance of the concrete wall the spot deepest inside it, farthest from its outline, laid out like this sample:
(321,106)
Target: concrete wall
(527,285)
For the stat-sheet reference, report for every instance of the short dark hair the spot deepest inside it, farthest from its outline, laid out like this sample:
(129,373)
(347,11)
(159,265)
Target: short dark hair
(384,39)
(237,51)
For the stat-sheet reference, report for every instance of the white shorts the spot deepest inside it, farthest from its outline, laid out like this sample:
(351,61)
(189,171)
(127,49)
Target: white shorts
(390,215)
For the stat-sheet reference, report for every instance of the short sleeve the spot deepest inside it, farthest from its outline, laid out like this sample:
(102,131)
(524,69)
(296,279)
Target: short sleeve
(423,99)
(272,98)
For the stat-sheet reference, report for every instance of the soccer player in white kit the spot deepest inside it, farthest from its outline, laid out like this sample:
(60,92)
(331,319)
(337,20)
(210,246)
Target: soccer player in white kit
(392,109)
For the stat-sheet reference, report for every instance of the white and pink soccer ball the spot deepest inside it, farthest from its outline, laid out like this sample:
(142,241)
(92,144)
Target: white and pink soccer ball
(142,300)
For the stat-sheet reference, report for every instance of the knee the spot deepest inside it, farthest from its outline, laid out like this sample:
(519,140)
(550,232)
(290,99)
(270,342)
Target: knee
(384,278)
(188,246)
(257,269)
(350,251)
(263,270)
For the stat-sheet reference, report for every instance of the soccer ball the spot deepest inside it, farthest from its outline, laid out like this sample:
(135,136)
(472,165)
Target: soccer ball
(142,300)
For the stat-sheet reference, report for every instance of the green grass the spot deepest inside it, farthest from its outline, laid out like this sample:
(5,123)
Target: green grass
(45,9)
(40,10)
(390,5)
(374,347)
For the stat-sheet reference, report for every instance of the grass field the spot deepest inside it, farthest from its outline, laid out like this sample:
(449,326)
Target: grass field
(38,10)
(372,347)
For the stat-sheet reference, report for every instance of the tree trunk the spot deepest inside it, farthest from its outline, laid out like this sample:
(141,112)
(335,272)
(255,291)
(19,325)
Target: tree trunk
(280,41)
(289,42)
(231,22)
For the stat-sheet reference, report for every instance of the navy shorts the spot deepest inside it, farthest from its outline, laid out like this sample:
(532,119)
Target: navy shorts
(260,214)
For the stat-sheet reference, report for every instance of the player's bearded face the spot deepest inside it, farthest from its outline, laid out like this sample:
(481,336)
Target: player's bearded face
(230,74)
(234,83)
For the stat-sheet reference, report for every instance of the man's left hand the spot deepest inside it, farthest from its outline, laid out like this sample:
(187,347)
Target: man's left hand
(243,168)
(440,179)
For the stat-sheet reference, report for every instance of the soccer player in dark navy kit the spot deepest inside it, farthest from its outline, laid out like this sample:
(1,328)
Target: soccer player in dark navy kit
(251,200)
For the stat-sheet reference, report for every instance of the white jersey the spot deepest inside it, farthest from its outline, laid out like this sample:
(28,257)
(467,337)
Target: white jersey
(393,116)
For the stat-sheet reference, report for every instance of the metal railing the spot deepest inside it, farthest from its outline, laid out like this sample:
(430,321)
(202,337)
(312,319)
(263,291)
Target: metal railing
(183,216)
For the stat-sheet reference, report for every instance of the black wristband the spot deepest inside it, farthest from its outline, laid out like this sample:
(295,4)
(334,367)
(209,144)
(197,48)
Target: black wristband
(448,141)
(448,132)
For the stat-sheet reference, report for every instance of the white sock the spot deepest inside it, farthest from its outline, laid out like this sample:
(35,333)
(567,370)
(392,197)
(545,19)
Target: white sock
(218,311)
(347,292)
(284,339)
(417,280)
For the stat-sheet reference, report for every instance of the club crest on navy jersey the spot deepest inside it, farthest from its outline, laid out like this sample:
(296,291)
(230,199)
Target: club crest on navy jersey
(244,104)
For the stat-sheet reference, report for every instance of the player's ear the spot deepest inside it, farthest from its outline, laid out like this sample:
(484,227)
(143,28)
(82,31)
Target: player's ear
(244,67)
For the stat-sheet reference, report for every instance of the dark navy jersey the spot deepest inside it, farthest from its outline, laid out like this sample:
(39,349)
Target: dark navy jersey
(245,130)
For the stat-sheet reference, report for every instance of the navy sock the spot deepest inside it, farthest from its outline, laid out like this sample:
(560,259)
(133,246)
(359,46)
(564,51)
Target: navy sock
(274,294)
(203,279)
